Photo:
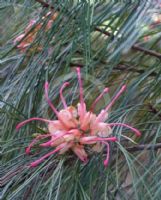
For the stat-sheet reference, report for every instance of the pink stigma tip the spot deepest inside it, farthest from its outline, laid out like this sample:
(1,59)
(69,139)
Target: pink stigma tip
(78,69)
(33,164)
(85,160)
(115,140)
(138,134)
(17,127)
(105,163)
(66,83)
(106,90)
(27,150)
(124,87)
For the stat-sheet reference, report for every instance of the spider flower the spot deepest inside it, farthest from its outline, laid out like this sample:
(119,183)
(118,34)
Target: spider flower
(76,127)
(31,31)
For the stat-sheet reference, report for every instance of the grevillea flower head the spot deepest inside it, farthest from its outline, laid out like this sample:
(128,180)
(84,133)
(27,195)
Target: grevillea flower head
(31,31)
(76,127)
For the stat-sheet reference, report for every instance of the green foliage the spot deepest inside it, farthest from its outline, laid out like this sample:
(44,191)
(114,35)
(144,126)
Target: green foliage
(99,36)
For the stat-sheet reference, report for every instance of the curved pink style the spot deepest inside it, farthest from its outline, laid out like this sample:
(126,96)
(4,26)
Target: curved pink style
(37,162)
(106,161)
(80,86)
(115,98)
(46,86)
(52,106)
(112,139)
(98,98)
(61,94)
(82,111)
(91,139)
(39,137)
(49,143)
(31,119)
(136,131)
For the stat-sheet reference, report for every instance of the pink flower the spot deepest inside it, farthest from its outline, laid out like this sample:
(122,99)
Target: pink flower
(28,37)
(31,31)
(77,127)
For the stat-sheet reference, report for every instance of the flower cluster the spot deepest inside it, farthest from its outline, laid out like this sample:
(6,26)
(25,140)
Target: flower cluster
(31,30)
(75,127)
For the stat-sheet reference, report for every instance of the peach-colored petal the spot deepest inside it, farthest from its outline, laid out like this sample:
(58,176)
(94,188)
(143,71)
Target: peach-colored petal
(68,137)
(23,45)
(49,24)
(66,115)
(18,38)
(104,130)
(66,148)
(77,134)
(67,118)
(57,142)
(88,140)
(102,116)
(30,25)
(52,19)
(80,152)
(85,124)
(81,111)
(59,133)
(54,16)
(92,119)
(55,126)
(73,111)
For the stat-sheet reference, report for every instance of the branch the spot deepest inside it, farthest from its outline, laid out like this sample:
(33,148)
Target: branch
(44,4)
(146,51)
(135,46)
(124,67)
(154,110)
(142,147)
(102,31)
(120,67)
